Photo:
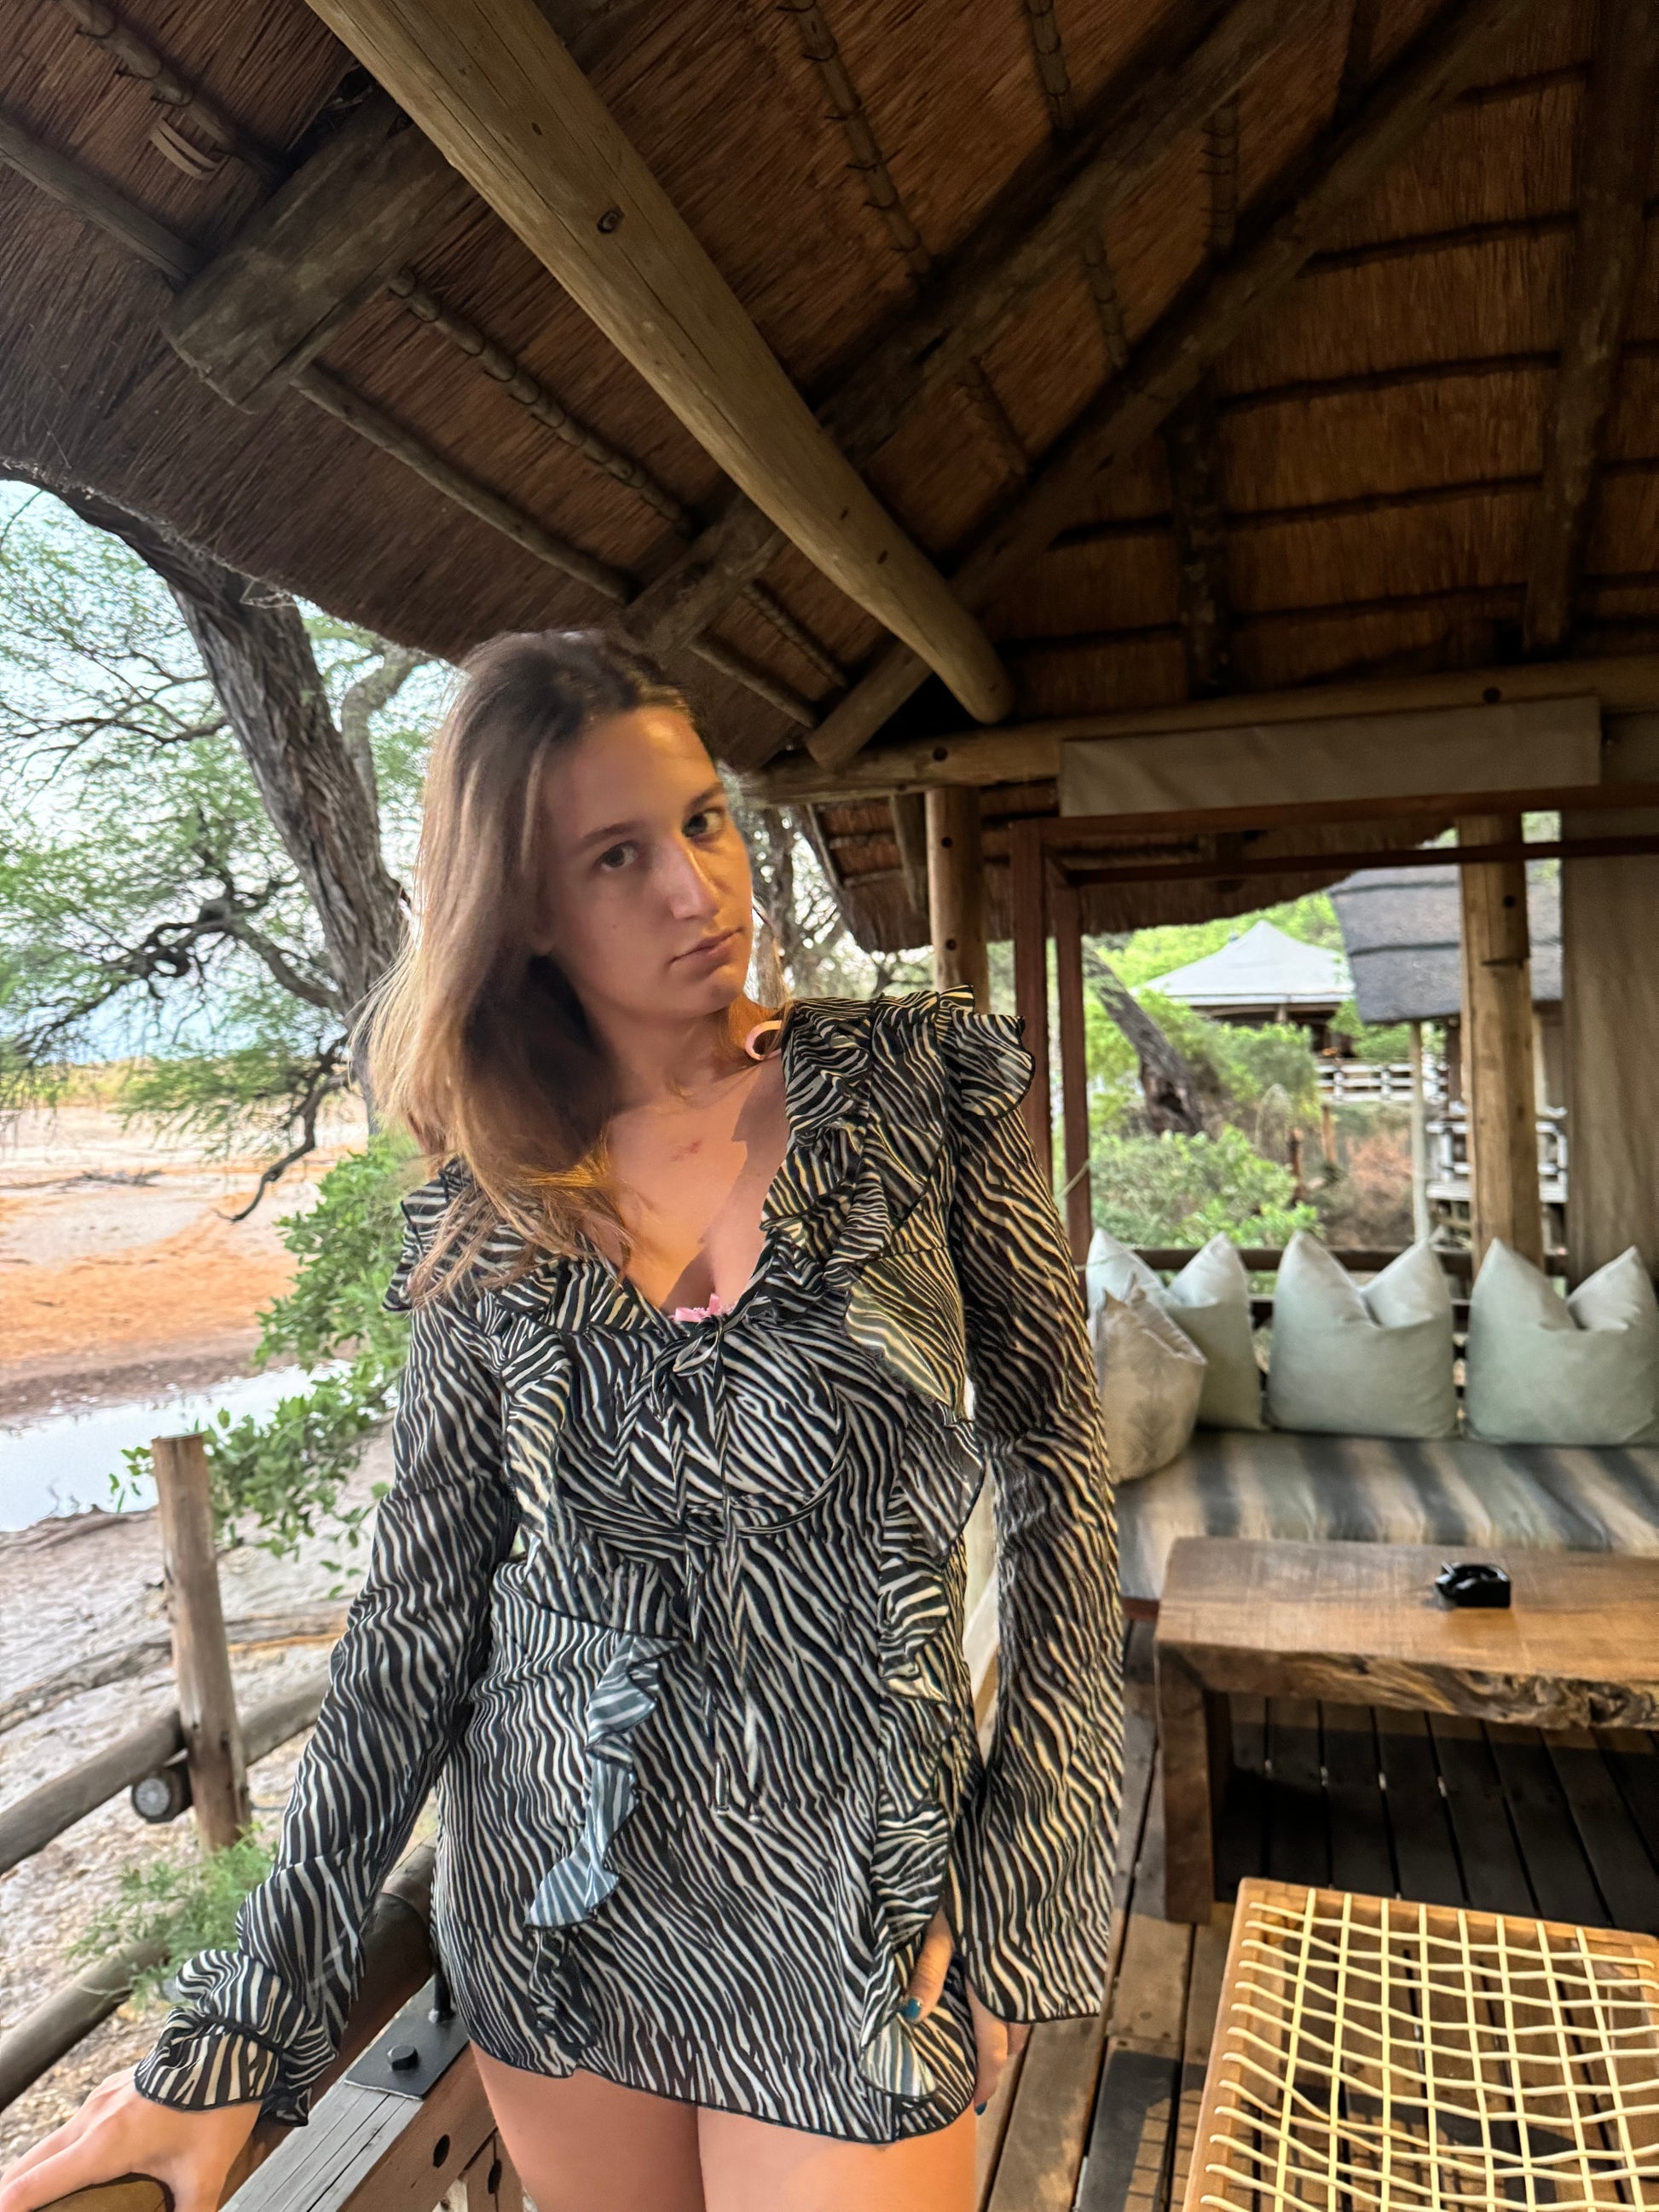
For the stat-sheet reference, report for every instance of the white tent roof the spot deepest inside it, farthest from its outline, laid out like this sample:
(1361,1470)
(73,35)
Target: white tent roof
(1263,967)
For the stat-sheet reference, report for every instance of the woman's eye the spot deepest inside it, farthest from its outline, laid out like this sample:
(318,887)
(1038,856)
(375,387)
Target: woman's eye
(702,822)
(614,857)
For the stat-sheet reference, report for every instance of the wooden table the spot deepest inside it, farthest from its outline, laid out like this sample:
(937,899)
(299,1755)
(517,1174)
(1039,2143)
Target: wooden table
(1362,1623)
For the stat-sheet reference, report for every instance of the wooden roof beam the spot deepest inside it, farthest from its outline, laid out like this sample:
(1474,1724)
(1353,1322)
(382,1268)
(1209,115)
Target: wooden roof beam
(1191,338)
(1615,153)
(499,95)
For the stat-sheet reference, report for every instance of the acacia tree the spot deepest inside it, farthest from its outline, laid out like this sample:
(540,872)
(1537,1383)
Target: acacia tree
(200,788)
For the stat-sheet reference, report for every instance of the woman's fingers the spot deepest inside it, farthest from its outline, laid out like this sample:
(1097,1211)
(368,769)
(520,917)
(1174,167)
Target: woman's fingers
(996,2042)
(927,1977)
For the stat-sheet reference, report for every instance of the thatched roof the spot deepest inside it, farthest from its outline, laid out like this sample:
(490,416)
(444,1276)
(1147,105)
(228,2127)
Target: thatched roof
(1260,971)
(1353,481)
(1403,929)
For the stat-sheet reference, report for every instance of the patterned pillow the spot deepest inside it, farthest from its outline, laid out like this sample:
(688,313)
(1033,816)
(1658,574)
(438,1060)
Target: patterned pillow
(1150,1376)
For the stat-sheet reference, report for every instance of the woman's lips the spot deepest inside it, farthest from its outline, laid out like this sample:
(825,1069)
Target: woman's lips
(709,948)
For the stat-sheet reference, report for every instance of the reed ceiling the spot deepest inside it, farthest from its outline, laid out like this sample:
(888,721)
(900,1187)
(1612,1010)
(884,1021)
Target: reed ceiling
(1374,439)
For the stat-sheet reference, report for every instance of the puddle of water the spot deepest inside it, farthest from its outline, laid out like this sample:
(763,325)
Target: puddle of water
(63,1464)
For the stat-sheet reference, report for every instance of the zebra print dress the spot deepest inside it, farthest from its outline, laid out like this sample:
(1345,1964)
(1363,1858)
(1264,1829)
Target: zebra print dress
(672,1611)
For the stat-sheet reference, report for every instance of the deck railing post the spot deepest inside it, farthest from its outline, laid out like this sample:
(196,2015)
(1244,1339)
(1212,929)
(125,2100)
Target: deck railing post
(201,1658)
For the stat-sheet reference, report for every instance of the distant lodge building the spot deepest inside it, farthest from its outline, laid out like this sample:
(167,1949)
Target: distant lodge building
(1262,977)
(1402,931)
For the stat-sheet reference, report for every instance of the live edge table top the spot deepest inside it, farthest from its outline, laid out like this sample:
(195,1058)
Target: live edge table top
(1578,1647)
(1362,1623)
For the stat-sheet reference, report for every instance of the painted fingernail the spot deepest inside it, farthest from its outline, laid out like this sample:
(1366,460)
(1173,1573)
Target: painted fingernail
(911,2008)
(980,2109)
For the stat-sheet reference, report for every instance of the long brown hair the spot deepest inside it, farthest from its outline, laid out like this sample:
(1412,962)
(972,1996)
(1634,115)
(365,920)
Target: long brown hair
(475,1044)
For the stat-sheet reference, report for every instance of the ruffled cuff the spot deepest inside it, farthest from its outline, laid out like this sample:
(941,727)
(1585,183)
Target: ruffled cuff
(235,2035)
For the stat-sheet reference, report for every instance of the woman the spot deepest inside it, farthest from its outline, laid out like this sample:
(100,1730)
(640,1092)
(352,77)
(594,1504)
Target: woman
(667,1594)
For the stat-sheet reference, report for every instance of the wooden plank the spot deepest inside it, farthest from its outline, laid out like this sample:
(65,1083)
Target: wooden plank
(1299,1835)
(1131,2141)
(1499,1082)
(1078,1208)
(1632,1757)
(955,894)
(1416,87)
(322,245)
(1203,1996)
(1418,1826)
(95,202)
(1493,1872)
(1615,156)
(1030,929)
(1621,1860)
(208,1719)
(1028,752)
(502,97)
(1314,860)
(1557,1869)
(1360,1859)
(1043,2150)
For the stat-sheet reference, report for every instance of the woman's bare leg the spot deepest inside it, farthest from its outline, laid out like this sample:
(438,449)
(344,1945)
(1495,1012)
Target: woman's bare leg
(582,2144)
(751,2166)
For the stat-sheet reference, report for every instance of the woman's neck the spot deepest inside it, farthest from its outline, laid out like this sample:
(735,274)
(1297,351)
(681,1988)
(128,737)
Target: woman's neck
(652,1063)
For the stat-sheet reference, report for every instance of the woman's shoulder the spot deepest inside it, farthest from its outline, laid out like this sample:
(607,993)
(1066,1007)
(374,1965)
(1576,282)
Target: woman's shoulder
(446,1211)
(924,1049)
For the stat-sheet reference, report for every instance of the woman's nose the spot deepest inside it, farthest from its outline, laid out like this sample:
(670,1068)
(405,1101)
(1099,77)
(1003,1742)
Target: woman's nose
(692,891)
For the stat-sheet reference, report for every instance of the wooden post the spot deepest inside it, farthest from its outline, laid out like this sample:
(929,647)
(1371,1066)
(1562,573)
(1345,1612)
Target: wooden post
(1079,1208)
(1420,1223)
(1502,1108)
(1610,1006)
(201,1661)
(1031,919)
(956,893)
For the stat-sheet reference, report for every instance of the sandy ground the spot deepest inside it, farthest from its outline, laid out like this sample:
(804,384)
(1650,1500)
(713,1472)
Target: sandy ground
(74,1588)
(121,1271)
(121,1274)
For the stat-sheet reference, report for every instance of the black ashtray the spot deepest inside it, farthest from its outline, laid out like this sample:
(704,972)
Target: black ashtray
(1473,1582)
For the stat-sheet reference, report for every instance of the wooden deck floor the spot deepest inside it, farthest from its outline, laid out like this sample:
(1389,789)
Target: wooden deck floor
(1565,1827)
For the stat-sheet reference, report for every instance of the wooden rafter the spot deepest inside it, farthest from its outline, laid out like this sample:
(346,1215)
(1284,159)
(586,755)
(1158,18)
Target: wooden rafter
(822,51)
(1192,336)
(1615,156)
(501,97)
(135,57)
(1357,54)
(1192,449)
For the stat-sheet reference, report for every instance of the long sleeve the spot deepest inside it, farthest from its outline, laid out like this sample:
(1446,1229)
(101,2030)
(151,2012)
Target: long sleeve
(262,2020)
(1035,1854)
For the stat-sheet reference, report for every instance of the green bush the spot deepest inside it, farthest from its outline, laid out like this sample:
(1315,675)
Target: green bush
(1183,1190)
(177,1906)
(285,1471)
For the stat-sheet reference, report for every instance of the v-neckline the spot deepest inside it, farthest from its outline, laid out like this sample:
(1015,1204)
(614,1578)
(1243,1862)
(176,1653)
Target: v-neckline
(793,1138)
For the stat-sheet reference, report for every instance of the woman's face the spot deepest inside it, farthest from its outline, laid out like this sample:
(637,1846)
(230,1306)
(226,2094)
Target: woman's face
(647,900)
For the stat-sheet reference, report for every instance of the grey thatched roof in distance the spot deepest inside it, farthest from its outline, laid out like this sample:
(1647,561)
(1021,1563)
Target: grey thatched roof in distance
(1403,929)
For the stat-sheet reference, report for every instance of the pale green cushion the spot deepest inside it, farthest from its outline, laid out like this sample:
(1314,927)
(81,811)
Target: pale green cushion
(1364,1361)
(1150,1375)
(1209,1301)
(1545,1369)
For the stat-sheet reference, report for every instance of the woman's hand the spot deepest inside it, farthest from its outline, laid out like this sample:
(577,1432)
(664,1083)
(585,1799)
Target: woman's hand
(996,2041)
(120,2131)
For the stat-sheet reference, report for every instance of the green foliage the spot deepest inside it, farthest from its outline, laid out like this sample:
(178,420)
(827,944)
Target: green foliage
(1380,1041)
(1183,1190)
(176,1906)
(285,1472)
(1241,1067)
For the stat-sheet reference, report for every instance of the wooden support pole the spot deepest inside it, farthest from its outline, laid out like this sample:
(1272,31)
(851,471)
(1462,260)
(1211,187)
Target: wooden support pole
(955,894)
(1031,919)
(1079,1208)
(494,89)
(1502,1100)
(1421,1224)
(201,1661)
